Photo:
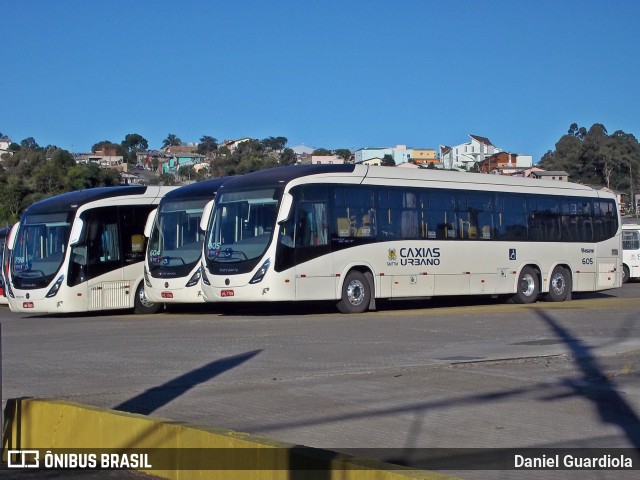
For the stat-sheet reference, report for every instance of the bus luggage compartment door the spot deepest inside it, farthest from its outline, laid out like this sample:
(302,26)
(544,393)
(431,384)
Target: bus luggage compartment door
(107,295)
(607,272)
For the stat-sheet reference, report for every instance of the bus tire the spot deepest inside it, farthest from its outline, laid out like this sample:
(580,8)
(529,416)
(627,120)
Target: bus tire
(625,274)
(356,293)
(141,303)
(528,286)
(559,285)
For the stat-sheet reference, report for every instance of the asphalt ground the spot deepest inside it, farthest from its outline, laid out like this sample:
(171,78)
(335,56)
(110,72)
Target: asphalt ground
(412,377)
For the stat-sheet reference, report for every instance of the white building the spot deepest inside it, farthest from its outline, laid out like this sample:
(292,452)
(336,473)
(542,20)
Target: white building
(326,160)
(4,145)
(466,155)
(400,154)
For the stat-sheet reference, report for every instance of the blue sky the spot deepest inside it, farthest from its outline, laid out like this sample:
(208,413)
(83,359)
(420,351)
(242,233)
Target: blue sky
(332,74)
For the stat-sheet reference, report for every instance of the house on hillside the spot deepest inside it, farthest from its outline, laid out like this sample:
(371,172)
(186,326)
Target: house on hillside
(466,155)
(505,163)
(173,162)
(400,154)
(326,160)
(233,144)
(558,175)
(4,145)
(425,157)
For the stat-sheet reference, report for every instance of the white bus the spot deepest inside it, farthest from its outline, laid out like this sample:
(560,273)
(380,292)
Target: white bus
(354,234)
(82,251)
(172,265)
(630,252)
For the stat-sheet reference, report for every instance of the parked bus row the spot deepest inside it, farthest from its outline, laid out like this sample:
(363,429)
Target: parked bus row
(342,233)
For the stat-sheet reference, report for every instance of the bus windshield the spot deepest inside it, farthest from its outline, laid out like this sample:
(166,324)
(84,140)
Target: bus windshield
(176,241)
(243,222)
(39,249)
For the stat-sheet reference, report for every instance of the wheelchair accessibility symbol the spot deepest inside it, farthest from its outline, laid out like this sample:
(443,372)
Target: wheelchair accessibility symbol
(512,254)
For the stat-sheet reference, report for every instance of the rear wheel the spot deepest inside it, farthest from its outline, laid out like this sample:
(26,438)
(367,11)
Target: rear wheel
(559,285)
(356,293)
(528,286)
(142,303)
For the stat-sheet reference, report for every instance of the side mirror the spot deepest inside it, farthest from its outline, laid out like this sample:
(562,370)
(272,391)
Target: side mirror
(206,215)
(285,208)
(151,218)
(76,231)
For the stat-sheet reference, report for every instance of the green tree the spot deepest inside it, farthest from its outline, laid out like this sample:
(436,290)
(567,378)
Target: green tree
(29,143)
(287,157)
(207,145)
(12,196)
(132,144)
(171,141)
(186,173)
(345,154)
(321,152)
(388,161)
(276,144)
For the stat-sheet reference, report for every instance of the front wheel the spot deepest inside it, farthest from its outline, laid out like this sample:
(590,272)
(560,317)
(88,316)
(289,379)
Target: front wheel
(528,286)
(625,274)
(356,293)
(559,285)
(142,304)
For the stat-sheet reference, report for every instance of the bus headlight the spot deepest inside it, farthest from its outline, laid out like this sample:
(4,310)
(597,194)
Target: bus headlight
(205,280)
(195,278)
(257,278)
(55,288)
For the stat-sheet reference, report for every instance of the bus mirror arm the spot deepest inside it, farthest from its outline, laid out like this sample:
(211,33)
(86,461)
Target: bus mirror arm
(206,215)
(76,232)
(151,218)
(285,208)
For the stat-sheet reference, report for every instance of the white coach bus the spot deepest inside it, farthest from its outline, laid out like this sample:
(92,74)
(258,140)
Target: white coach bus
(630,252)
(353,234)
(172,265)
(82,251)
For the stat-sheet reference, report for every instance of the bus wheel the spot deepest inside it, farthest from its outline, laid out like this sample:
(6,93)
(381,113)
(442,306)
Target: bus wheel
(142,303)
(625,274)
(559,286)
(356,293)
(528,286)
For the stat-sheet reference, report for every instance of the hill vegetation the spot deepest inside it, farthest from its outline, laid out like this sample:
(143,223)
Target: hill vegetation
(30,172)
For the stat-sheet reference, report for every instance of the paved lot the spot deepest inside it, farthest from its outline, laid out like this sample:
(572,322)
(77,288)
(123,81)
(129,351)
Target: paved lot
(411,376)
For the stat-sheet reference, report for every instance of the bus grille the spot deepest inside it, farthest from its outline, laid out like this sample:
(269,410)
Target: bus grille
(108,295)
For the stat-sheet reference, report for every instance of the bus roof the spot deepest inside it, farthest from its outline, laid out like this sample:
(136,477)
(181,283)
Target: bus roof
(377,175)
(202,189)
(71,201)
(283,175)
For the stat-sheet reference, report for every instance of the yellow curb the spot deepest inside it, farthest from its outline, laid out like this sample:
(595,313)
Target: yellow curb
(50,424)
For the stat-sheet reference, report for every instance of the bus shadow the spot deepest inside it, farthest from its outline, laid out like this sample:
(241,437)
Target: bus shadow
(154,398)
(594,386)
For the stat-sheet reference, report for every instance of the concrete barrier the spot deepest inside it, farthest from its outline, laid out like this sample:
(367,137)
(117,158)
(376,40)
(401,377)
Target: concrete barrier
(180,451)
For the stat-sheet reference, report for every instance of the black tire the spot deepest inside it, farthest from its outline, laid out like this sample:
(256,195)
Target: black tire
(528,286)
(559,285)
(356,293)
(625,274)
(142,305)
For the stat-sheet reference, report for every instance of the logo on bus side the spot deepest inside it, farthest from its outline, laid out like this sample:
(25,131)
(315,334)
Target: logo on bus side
(413,256)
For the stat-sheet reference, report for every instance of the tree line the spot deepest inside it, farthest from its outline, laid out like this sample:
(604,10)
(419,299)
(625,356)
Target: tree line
(595,157)
(29,172)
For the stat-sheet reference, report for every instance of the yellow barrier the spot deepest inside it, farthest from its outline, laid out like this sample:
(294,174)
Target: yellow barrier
(55,425)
